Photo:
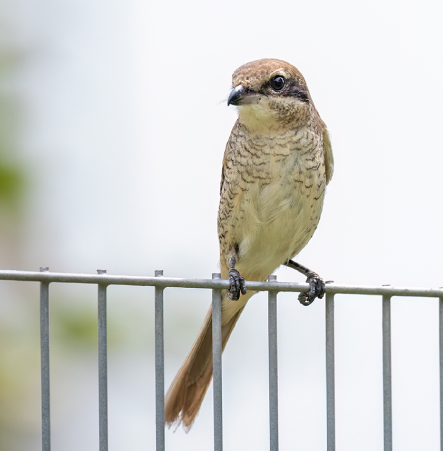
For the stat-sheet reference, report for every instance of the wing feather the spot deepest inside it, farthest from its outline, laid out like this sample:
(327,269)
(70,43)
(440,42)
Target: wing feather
(329,157)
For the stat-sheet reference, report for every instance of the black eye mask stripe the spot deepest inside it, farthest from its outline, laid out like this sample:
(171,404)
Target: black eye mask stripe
(290,89)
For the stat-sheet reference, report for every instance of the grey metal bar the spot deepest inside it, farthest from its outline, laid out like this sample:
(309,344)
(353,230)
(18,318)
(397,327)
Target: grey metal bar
(44,343)
(440,321)
(330,373)
(102,366)
(159,369)
(213,284)
(273,367)
(217,366)
(387,384)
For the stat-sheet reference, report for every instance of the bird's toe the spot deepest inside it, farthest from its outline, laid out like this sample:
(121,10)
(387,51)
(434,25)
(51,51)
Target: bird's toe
(317,289)
(238,285)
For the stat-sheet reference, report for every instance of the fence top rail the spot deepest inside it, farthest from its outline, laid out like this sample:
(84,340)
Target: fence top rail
(164,282)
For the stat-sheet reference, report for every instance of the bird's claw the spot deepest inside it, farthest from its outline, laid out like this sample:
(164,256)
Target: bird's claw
(317,289)
(237,285)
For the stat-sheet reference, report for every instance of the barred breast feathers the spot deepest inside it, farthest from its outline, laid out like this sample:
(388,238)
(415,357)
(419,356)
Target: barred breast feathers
(271,195)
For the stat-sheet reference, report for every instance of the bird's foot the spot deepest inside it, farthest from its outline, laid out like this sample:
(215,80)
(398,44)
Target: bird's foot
(317,289)
(237,285)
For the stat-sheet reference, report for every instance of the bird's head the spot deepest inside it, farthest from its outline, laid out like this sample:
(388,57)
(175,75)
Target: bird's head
(270,93)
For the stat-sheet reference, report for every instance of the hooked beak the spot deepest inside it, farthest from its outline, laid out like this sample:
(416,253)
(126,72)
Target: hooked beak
(242,96)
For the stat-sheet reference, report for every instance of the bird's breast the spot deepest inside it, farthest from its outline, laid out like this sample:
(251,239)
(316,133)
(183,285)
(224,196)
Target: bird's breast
(283,184)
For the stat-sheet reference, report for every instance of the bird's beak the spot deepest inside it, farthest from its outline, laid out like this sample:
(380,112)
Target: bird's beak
(242,96)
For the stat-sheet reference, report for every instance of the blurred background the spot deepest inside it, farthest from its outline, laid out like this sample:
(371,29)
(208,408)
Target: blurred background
(111,142)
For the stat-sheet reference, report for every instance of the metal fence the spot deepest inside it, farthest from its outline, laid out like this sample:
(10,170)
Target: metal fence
(102,280)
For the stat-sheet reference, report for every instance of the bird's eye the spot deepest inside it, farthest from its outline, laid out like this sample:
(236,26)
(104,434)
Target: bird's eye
(278,83)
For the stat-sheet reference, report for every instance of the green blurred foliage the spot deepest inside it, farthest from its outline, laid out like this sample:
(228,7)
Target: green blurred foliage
(17,358)
(11,186)
(12,171)
(73,313)
(74,324)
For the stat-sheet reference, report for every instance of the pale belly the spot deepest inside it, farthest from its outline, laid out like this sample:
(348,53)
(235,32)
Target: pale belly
(278,223)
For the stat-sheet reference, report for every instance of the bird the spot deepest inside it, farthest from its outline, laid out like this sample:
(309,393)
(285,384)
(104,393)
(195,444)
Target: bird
(277,163)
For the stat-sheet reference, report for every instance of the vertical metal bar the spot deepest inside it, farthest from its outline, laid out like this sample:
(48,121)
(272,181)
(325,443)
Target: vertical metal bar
(441,369)
(102,366)
(330,373)
(44,344)
(387,385)
(159,369)
(273,368)
(217,366)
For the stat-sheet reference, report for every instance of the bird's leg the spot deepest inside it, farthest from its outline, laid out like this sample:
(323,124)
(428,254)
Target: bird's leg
(236,280)
(317,286)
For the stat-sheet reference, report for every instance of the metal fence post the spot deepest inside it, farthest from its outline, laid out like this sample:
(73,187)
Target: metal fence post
(217,366)
(273,367)
(330,372)
(440,321)
(387,384)
(159,369)
(44,344)
(102,366)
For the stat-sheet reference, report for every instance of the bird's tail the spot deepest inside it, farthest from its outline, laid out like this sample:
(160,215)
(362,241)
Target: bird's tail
(188,389)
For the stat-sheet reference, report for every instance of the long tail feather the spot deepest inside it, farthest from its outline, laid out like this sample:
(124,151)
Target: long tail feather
(188,389)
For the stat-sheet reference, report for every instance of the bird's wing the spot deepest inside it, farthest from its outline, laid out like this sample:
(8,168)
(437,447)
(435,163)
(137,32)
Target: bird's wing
(329,157)
(231,188)
(228,174)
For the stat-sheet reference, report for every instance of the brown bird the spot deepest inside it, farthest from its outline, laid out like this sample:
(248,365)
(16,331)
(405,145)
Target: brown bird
(277,163)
